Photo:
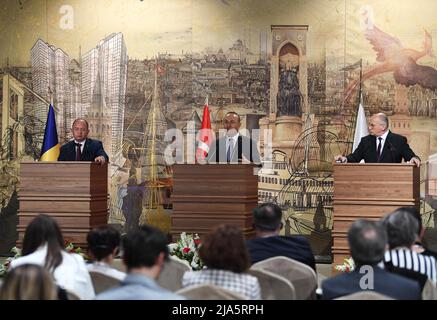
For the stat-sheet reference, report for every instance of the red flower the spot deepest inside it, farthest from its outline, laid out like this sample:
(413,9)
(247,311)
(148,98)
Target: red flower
(186,250)
(196,242)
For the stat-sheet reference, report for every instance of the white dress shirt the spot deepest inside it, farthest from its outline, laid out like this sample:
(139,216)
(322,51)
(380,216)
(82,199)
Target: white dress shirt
(71,274)
(106,269)
(81,147)
(234,140)
(384,137)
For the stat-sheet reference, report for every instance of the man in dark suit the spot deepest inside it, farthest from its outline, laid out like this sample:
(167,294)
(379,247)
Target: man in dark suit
(82,148)
(234,147)
(381,145)
(267,221)
(368,242)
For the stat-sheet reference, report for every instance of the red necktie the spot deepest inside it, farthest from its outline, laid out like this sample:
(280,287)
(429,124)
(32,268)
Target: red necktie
(78,152)
(378,151)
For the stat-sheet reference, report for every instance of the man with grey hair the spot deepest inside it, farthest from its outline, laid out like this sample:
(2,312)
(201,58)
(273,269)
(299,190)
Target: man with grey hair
(402,233)
(381,145)
(368,242)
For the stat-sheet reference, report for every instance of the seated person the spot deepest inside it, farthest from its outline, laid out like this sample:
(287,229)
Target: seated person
(226,259)
(368,242)
(144,253)
(402,230)
(43,244)
(103,244)
(267,221)
(28,282)
(419,247)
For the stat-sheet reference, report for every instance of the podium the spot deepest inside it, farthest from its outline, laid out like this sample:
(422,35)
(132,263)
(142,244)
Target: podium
(75,193)
(208,195)
(369,191)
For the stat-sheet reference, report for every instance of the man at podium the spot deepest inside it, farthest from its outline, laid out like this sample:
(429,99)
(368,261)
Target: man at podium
(234,147)
(82,148)
(381,145)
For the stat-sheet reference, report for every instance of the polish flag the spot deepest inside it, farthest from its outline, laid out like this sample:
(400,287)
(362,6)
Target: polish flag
(205,135)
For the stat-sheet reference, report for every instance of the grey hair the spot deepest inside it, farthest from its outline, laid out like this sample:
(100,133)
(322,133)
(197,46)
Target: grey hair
(383,118)
(367,242)
(401,228)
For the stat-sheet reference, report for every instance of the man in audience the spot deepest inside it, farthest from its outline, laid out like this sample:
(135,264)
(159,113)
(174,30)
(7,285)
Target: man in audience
(368,242)
(103,244)
(267,220)
(402,230)
(419,247)
(144,253)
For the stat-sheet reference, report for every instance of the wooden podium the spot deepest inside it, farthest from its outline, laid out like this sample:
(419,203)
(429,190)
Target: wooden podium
(75,193)
(207,195)
(369,191)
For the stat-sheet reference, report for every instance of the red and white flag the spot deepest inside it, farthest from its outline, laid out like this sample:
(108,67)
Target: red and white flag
(205,135)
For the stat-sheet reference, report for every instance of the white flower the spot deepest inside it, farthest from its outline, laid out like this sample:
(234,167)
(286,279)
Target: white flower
(172,247)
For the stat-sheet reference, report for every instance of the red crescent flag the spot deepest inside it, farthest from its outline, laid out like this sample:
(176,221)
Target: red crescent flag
(205,135)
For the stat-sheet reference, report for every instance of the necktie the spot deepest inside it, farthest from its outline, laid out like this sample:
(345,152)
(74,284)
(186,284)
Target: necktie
(78,152)
(230,148)
(378,150)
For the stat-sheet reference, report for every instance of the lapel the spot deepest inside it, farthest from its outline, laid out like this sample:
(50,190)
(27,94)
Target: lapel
(71,150)
(237,148)
(372,151)
(85,149)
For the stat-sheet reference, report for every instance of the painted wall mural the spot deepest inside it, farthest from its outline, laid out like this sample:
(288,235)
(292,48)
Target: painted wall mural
(295,67)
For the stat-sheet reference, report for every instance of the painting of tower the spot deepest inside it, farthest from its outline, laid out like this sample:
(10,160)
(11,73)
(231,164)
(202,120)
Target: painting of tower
(108,60)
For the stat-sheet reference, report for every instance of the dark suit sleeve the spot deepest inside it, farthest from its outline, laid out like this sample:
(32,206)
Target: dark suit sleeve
(255,158)
(63,154)
(100,151)
(359,152)
(406,151)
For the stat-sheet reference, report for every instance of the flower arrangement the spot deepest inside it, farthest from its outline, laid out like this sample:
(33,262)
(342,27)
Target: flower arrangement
(69,247)
(347,266)
(186,250)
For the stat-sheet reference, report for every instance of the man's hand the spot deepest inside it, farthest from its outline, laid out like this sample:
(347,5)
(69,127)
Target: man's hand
(100,160)
(340,158)
(415,161)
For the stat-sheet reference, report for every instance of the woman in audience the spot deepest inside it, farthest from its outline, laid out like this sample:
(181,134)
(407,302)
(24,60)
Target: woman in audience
(103,244)
(28,282)
(226,257)
(43,245)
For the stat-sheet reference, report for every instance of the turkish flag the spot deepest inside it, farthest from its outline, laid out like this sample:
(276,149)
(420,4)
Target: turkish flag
(205,135)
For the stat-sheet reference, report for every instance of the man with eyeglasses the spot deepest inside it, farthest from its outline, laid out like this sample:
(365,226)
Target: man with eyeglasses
(82,148)
(234,147)
(381,145)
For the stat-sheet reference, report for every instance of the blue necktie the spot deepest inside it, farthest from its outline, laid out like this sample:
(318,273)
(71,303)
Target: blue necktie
(229,152)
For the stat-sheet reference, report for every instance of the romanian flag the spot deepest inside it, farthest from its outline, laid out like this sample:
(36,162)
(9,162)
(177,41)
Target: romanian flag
(50,146)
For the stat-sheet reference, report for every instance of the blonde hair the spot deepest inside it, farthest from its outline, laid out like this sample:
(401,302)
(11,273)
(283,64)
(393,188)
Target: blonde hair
(28,282)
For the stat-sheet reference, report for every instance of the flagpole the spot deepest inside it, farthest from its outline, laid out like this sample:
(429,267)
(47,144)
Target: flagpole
(353,128)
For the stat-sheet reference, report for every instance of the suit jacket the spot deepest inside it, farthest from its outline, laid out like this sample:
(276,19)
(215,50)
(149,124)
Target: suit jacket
(395,149)
(244,147)
(386,283)
(91,150)
(296,248)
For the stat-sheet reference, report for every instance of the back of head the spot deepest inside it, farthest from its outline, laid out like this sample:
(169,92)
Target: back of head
(367,242)
(102,241)
(141,247)
(224,248)
(28,282)
(416,215)
(267,217)
(44,230)
(401,228)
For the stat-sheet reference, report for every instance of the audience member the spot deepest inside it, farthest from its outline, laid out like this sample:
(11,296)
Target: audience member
(144,253)
(267,221)
(368,242)
(419,247)
(225,255)
(43,245)
(103,245)
(402,233)
(28,282)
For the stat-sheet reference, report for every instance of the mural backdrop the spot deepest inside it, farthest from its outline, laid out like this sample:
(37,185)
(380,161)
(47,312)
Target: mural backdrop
(137,68)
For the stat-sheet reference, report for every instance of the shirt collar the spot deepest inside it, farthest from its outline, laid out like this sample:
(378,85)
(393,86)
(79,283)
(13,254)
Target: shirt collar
(234,138)
(384,136)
